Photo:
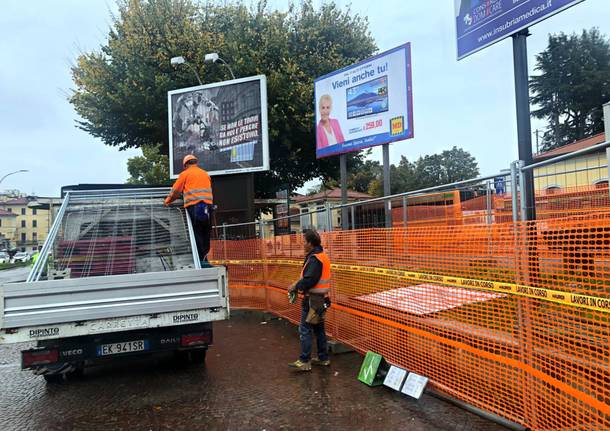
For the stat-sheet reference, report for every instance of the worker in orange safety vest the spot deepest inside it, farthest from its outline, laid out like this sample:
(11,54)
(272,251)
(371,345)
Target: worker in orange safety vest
(195,186)
(315,286)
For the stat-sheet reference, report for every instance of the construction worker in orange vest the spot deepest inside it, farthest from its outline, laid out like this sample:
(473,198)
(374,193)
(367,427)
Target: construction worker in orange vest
(195,186)
(315,286)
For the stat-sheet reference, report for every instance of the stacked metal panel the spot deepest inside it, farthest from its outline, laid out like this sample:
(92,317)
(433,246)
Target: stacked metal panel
(113,232)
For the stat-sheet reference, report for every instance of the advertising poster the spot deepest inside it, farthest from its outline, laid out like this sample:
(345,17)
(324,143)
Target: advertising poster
(480,23)
(224,124)
(366,104)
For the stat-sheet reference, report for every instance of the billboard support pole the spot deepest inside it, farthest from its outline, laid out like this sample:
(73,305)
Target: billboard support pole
(524,127)
(343,168)
(386,184)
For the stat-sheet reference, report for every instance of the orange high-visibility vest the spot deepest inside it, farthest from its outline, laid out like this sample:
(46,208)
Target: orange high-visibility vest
(194,184)
(323,285)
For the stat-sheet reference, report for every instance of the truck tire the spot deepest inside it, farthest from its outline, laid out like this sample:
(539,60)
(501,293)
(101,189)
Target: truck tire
(198,356)
(54,379)
(60,377)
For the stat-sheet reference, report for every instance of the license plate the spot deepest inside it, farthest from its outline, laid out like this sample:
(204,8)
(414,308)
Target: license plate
(123,347)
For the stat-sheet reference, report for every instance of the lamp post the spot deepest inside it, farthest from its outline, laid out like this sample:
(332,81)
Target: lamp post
(213,57)
(176,61)
(11,173)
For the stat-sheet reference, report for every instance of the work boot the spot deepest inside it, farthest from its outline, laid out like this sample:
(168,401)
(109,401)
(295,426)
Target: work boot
(300,365)
(316,361)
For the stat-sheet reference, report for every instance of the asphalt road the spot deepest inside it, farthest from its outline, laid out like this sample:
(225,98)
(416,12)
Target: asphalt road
(244,385)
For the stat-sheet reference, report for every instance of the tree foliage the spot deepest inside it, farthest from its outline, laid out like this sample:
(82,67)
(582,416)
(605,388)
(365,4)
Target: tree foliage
(121,90)
(428,171)
(151,167)
(572,85)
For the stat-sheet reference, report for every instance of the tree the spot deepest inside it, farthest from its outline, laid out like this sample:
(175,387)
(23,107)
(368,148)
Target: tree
(445,168)
(121,90)
(572,85)
(149,168)
(428,171)
(362,176)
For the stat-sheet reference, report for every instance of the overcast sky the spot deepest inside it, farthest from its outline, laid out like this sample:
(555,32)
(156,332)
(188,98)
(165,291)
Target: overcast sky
(468,103)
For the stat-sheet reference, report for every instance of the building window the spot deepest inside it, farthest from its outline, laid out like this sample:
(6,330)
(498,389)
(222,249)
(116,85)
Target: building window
(22,211)
(34,223)
(10,210)
(23,237)
(22,223)
(0,222)
(34,236)
(33,211)
(550,190)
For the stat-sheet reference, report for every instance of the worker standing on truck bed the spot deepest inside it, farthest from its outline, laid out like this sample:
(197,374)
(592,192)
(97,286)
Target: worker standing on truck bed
(315,285)
(195,186)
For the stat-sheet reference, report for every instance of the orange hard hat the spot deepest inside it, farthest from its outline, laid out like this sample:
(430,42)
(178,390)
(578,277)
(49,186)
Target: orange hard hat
(188,158)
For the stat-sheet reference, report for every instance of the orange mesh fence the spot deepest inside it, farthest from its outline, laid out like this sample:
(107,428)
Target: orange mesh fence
(481,209)
(511,318)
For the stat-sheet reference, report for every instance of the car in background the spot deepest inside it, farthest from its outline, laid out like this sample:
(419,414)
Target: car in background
(21,256)
(4,257)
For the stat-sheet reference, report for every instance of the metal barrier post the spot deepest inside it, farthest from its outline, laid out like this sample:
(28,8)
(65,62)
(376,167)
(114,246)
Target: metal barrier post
(404,211)
(488,202)
(263,248)
(524,272)
(607,129)
(522,197)
(224,241)
(329,217)
(353,217)
(514,191)
(608,155)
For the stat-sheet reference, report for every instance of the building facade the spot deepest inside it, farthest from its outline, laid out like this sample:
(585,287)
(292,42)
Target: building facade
(26,221)
(589,170)
(313,208)
(8,229)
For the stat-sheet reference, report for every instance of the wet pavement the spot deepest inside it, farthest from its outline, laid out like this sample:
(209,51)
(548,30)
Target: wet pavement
(244,385)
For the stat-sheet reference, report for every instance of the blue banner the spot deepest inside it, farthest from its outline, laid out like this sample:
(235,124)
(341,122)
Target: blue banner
(480,23)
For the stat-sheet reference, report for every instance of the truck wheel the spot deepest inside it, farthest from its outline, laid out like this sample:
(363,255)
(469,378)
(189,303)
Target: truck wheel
(54,378)
(198,356)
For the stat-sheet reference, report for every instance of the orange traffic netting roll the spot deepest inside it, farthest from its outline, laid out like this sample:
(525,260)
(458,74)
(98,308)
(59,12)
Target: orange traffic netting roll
(511,318)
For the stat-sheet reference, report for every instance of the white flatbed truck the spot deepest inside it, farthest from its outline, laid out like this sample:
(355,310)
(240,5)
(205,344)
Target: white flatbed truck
(118,275)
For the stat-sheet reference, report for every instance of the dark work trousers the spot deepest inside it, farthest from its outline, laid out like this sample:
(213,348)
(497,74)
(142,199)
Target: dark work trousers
(201,218)
(306,332)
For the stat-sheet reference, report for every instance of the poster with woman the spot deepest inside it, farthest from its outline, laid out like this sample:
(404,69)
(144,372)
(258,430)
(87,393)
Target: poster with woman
(366,104)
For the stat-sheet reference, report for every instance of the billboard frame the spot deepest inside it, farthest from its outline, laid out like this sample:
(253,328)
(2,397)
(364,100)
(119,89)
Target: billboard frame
(409,72)
(516,30)
(262,79)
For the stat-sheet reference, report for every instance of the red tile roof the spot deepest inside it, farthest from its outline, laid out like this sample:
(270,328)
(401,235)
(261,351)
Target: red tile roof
(7,213)
(332,194)
(575,146)
(16,201)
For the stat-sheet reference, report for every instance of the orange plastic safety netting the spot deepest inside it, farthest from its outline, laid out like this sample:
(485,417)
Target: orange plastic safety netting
(511,318)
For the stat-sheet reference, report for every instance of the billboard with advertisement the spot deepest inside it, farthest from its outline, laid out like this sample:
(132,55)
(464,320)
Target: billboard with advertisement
(480,23)
(224,124)
(365,104)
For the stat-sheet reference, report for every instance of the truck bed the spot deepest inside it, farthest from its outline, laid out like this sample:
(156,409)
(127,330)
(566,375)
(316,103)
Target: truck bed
(69,300)
(113,257)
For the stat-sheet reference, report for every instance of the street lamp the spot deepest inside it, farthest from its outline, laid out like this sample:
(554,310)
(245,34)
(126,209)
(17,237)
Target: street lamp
(177,61)
(11,173)
(213,57)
